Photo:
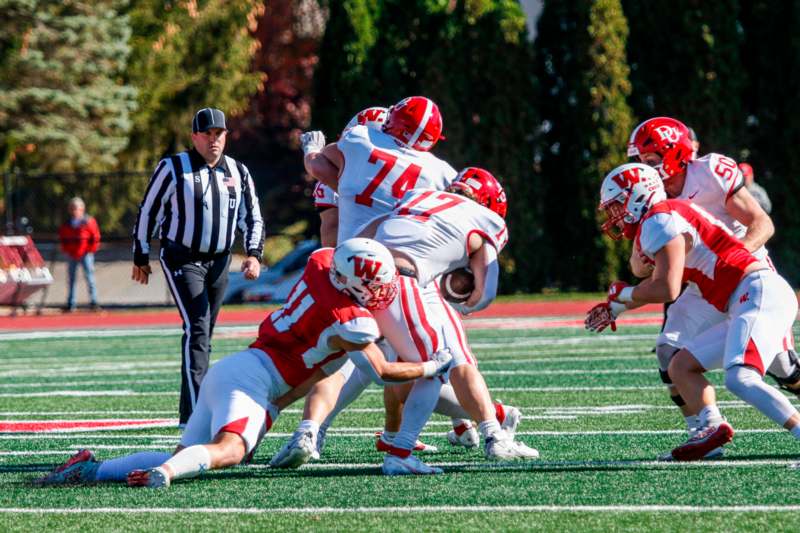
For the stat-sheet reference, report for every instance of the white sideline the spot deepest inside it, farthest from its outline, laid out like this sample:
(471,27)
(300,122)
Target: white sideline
(368,391)
(415,509)
(359,433)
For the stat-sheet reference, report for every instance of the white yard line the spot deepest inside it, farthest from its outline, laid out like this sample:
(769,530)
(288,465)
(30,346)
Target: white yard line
(414,509)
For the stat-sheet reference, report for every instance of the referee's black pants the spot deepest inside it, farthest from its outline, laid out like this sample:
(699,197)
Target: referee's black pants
(197,282)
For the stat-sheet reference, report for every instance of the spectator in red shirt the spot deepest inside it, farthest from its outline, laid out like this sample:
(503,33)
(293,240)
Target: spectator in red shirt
(80,238)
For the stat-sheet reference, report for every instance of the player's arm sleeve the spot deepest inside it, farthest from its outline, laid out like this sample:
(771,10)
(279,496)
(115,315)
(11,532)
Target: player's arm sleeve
(492,269)
(656,232)
(250,221)
(158,192)
(358,330)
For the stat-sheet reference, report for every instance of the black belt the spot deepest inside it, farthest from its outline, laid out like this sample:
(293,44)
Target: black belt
(190,254)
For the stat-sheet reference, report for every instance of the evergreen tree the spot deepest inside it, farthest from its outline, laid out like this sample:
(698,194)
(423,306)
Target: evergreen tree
(771,54)
(685,63)
(342,84)
(188,55)
(585,124)
(61,106)
(488,110)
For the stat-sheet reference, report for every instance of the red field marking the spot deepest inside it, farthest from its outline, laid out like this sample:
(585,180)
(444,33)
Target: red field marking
(66,426)
(169,317)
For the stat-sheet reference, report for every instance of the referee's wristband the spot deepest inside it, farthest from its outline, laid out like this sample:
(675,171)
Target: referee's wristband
(141,260)
(254,253)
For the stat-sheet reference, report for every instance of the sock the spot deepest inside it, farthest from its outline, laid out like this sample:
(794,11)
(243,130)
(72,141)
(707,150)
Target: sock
(448,404)
(119,468)
(795,431)
(500,412)
(190,462)
(692,423)
(746,383)
(416,412)
(460,425)
(709,416)
(488,428)
(308,425)
(388,436)
(352,389)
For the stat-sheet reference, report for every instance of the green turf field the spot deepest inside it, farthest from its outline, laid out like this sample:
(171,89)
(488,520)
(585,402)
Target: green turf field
(593,406)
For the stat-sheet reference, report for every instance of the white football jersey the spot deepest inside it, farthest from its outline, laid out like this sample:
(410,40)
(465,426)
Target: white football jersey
(710,181)
(716,261)
(377,173)
(433,228)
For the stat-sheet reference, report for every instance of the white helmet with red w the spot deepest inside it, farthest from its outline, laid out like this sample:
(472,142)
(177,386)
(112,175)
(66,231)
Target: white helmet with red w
(415,122)
(371,117)
(626,194)
(365,270)
(666,137)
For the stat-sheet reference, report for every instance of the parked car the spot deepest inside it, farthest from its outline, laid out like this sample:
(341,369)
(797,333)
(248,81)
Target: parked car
(274,284)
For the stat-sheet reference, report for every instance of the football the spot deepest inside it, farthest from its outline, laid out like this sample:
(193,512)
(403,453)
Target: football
(457,285)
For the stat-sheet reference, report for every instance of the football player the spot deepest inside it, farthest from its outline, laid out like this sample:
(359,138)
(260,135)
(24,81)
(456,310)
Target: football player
(326,200)
(326,321)
(715,183)
(686,243)
(373,170)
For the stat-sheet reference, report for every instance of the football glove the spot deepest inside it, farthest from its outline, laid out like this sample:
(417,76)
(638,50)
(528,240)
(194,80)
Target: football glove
(603,315)
(438,364)
(312,142)
(621,292)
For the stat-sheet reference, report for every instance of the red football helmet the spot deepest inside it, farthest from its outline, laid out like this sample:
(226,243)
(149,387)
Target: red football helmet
(415,122)
(666,137)
(484,187)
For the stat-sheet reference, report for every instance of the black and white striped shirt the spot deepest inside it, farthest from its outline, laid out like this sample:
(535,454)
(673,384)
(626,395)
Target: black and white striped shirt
(199,207)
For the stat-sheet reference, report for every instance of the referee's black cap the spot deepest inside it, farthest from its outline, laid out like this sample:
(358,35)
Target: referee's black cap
(208,118)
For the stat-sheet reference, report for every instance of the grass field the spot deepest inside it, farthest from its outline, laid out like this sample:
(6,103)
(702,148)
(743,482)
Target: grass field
(593,406)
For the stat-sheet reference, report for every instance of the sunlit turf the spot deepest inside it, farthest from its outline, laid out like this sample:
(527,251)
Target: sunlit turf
(593,406)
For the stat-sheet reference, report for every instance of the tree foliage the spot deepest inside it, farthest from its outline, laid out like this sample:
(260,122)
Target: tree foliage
(62,107)
(187,55)
(583,75)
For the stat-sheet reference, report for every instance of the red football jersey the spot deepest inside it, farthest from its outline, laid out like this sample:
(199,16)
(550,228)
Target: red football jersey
(296,336)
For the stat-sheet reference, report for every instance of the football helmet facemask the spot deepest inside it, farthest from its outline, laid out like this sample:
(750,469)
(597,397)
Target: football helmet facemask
(626,194)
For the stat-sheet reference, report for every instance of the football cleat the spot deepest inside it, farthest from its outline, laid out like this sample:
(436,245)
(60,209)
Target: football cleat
(464,435)
(80,468)
(383,445)
(404,466)
(502,447)
(295,453)
(716,453)
(510,419)
(320,443)
(155,478)
(702,443)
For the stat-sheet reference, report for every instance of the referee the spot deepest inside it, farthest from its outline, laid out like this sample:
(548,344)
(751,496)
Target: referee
(198,198)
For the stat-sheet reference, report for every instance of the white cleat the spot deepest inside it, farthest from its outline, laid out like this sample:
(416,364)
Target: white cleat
(501,447)
(468,438)
(411,465)
(511,421)
(155,478)
(295,453)
(320,444)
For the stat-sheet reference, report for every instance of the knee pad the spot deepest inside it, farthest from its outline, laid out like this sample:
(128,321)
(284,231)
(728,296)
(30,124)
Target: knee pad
(665,353)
